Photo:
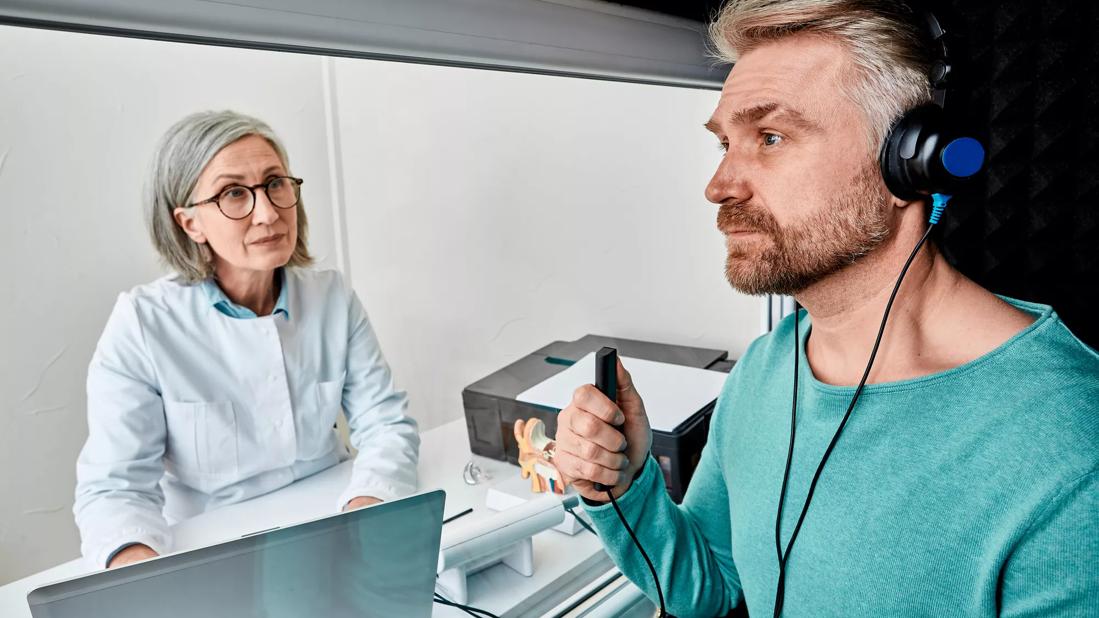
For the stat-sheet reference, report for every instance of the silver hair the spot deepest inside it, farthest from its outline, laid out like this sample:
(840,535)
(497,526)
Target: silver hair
(890,49)
(181,156)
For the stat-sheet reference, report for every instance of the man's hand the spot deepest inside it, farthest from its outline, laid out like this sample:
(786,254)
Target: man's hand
(132,554)
(361,501)
(599,442)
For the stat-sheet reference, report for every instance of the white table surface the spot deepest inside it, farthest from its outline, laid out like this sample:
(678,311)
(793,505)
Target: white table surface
(563,564)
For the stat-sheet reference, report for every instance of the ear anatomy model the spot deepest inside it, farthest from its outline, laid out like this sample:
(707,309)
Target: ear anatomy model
(536,453)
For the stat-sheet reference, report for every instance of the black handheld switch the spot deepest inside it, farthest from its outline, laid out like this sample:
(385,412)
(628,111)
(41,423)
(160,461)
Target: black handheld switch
(606,380)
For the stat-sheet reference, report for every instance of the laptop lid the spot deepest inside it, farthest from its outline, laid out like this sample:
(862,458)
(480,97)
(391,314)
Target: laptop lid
(377,561)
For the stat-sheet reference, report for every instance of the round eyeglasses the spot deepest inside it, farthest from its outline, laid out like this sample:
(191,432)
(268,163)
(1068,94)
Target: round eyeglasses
(238,201)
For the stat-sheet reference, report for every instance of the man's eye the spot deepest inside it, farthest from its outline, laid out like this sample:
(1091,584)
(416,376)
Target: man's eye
(723,146)
(771,139)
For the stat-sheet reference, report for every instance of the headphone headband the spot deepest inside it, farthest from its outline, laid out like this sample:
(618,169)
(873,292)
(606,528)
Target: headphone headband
(939,74)
(924,151)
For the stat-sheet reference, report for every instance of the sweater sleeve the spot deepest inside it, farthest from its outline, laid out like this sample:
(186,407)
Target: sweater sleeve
(1052,570)
(689,544)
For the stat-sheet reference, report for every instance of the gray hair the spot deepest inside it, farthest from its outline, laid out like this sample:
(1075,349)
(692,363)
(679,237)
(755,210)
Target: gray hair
(181,156)
(889,47)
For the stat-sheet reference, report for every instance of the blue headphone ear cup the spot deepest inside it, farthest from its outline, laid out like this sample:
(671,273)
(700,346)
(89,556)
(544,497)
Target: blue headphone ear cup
(908,151)
(922,154)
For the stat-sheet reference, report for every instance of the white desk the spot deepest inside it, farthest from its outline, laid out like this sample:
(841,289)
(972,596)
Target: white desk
(564,565)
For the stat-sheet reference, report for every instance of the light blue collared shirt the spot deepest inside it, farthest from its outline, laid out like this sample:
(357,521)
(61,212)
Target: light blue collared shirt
(221,302)
(195,403)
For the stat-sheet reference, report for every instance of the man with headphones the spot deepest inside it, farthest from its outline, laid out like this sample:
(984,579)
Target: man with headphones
(932,448)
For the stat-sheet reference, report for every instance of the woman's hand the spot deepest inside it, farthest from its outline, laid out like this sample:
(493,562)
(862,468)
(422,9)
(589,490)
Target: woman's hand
(132,554)
(361,501)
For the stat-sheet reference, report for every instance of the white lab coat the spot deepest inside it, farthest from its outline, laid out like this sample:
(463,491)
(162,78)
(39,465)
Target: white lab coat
(190,409)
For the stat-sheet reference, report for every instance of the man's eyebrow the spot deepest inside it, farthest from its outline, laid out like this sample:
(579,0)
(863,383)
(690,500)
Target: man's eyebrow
(758,112)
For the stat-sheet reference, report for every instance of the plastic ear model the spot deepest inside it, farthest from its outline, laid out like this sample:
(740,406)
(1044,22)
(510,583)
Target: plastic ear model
(535,457)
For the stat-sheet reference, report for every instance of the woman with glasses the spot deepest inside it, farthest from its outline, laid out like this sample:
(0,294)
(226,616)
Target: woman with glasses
(223,381)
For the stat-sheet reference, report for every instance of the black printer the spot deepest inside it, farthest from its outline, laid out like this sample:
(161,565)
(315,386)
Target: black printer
(491,408)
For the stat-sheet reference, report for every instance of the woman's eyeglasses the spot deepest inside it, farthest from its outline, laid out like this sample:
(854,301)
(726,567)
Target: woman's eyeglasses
(238,201)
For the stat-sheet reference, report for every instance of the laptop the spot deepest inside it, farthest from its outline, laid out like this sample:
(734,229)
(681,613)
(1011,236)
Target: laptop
(378,561)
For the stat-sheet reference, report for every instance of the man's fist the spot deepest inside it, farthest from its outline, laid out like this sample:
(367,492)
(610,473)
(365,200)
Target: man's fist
(600,442)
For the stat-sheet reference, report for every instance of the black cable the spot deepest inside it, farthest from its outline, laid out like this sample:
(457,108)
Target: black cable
(472,611)
(790,451)
(440,601)
(580,520)
(652,569)
(783,557)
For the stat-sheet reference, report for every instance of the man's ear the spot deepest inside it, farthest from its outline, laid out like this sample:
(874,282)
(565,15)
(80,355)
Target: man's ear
(897,202)
(190,224)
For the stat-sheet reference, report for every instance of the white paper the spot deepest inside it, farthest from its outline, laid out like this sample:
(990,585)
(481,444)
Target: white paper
(672,393)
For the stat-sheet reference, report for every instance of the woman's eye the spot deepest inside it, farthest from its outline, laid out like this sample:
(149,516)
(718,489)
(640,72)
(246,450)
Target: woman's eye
(723,146)
(233,193)
(771,139)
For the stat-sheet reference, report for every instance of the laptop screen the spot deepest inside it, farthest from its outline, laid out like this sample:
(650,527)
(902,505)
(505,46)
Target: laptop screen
(378,561)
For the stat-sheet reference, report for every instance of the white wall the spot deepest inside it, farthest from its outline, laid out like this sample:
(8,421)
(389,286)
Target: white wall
(481,208)
(79,117)
(474,206)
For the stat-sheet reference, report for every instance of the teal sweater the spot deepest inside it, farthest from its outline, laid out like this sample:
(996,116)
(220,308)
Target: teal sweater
(972,492)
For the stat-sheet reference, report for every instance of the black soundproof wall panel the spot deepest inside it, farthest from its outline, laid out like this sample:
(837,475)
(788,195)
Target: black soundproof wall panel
(1031,229)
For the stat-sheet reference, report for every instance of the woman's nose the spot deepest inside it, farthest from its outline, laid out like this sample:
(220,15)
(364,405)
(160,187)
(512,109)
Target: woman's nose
(265,212)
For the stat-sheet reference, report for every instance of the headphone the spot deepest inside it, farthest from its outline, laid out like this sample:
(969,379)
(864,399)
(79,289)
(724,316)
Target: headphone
(924,152)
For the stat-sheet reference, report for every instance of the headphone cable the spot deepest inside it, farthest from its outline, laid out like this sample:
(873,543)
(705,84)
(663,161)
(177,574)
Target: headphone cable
(469,609)
(580,520)
(652,569)
(783,557)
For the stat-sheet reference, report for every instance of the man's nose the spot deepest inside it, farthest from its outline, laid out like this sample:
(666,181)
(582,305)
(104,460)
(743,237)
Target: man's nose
(728,182)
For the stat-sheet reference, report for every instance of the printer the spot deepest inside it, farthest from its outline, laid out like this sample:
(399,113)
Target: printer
(492,404)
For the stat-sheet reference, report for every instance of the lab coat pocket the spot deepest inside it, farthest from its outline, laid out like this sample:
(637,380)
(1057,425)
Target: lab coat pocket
(318,432)
(202,440)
